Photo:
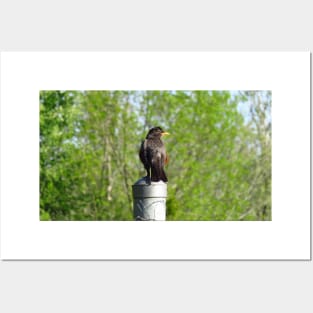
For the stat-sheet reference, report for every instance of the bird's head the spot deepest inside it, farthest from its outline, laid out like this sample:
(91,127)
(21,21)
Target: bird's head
(156,132)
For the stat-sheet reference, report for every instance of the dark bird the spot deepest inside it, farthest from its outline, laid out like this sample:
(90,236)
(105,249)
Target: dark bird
(153,155)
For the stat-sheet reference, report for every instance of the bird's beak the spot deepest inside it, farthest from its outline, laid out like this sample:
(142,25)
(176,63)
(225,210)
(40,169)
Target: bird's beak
(165,133)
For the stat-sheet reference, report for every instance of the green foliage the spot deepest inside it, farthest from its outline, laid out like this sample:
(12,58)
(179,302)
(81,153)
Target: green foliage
(220,158)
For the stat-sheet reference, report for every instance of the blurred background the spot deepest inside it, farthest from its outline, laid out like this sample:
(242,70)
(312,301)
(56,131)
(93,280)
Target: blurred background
(219,148)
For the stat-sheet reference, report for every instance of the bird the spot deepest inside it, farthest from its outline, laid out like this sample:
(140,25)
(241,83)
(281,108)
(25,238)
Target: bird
(153,155)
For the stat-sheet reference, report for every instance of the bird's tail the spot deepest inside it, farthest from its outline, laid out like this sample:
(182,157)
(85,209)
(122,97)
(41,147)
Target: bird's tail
(163,176)
(157,174)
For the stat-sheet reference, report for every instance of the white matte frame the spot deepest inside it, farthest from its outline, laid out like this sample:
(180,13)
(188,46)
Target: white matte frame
(286,74)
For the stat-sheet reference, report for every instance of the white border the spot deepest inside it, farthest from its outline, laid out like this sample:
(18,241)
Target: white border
(287,74)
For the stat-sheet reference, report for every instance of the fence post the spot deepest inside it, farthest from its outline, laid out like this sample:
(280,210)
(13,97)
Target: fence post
(149,200)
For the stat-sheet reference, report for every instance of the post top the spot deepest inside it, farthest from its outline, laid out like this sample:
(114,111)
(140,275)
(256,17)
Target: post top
(144,181)
(144,189)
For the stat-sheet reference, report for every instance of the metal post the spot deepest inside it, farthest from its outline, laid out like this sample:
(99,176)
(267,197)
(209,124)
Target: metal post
(149,200)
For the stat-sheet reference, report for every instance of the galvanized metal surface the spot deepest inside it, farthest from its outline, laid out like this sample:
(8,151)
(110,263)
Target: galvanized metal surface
(149,200)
